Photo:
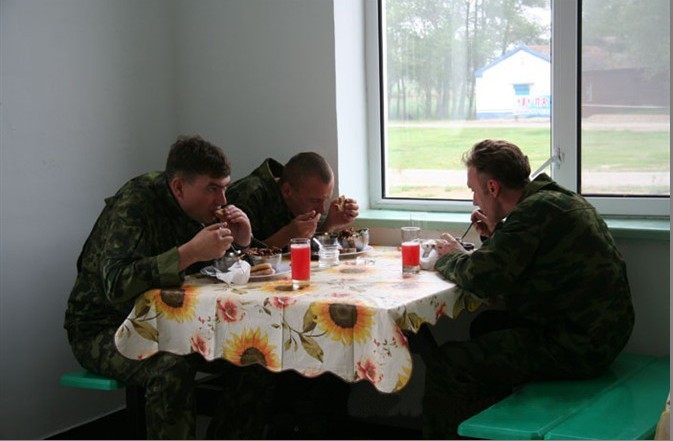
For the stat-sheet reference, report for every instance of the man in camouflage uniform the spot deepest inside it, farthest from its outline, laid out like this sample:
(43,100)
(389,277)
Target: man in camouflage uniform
(550,257)
(155,230)
(289,201)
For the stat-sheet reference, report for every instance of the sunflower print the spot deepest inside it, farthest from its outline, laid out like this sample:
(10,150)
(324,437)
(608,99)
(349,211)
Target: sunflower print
(344,322)
(177,304)
(251,347)
(403,378)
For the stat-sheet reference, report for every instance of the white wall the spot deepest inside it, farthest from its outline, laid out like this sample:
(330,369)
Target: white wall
(495,88)
(87,101)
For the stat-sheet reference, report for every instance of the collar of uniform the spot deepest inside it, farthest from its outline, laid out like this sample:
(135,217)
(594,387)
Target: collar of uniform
(540,182)
(270,169)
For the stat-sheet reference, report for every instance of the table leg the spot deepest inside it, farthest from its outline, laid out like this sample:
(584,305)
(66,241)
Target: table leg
(135,411)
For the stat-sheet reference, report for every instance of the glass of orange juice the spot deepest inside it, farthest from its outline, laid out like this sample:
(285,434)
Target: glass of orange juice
(300,258)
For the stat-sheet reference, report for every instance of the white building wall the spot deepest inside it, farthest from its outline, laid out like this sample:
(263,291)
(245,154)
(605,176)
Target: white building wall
(495,88)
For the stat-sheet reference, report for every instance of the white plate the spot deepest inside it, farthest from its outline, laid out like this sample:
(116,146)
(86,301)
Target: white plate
(283,269)
(357,253)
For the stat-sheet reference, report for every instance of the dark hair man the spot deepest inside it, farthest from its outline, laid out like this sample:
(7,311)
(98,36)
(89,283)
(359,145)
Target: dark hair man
(548,255)
(157,228)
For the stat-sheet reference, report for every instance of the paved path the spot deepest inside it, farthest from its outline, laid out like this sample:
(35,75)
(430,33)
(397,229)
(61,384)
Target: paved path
(435,178)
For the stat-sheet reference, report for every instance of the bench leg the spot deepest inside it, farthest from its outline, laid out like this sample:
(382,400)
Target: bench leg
(135,411)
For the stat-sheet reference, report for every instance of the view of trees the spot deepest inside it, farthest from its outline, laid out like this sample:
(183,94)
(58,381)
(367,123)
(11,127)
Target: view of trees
(434,48)
(630,32)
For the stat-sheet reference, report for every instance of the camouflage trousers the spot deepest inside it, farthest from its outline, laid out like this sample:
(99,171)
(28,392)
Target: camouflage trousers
(463,378)
(169,383)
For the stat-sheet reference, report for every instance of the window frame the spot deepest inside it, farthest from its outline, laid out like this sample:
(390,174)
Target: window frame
(565,122)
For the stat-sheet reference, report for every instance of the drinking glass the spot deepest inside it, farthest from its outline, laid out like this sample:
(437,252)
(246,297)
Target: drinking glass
(300,257)
(328,254)
(411,250)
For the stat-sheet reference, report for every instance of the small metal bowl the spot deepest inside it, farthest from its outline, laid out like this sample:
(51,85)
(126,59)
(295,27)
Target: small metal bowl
(224,263)
(358,239)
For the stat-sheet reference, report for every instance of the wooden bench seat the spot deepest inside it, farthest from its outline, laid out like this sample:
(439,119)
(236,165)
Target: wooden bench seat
(536,409)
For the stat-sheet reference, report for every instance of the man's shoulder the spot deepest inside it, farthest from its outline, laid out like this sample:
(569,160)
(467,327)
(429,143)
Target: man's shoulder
(260,180)
(552,199)
(142,190)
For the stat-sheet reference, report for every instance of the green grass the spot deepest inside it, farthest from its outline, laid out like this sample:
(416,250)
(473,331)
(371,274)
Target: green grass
(443,147)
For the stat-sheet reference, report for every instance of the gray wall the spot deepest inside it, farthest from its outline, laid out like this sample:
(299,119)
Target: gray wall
(257,77)
(87,101)
(92,92)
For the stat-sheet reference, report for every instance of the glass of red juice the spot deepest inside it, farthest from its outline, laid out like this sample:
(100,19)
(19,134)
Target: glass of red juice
(300,257)
(411,250)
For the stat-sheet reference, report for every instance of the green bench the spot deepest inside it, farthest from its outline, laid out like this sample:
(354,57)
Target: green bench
(88,380)
(208,391)
(623,403)
(135,396)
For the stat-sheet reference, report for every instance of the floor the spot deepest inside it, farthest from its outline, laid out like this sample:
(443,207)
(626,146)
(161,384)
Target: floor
(114,426)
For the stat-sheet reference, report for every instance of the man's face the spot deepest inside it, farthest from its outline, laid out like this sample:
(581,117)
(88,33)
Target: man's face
(481,196)
(311,194)
(201,196)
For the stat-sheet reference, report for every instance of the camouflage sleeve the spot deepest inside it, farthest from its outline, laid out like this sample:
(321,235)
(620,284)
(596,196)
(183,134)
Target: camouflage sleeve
(494,268)
(129,267)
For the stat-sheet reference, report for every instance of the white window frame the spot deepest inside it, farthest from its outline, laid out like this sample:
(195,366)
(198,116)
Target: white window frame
(565,126)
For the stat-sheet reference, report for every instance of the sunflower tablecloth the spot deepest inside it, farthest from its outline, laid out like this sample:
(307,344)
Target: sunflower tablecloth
(349,321)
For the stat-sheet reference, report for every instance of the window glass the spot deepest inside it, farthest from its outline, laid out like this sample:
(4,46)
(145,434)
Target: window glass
(625,97)
(456,72)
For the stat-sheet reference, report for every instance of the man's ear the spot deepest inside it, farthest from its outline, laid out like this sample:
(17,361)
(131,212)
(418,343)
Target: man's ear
(177,187)
(285,189)
(494,187)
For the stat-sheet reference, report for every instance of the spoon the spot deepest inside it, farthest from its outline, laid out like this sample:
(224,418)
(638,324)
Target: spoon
(465,233)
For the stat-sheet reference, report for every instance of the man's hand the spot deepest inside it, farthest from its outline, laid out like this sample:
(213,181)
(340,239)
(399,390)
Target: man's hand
(238,223)
(209,243)
(342,212)
(482,223)
(447,244)
(304,225)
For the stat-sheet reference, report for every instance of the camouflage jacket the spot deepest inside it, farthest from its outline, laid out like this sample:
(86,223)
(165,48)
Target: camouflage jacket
(557,268)
(133,247)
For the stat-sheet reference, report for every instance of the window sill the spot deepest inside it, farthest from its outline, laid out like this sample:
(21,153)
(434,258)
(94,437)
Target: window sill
(621,228)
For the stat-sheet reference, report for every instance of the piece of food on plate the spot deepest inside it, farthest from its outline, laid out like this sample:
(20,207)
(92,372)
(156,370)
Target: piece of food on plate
(262,269)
